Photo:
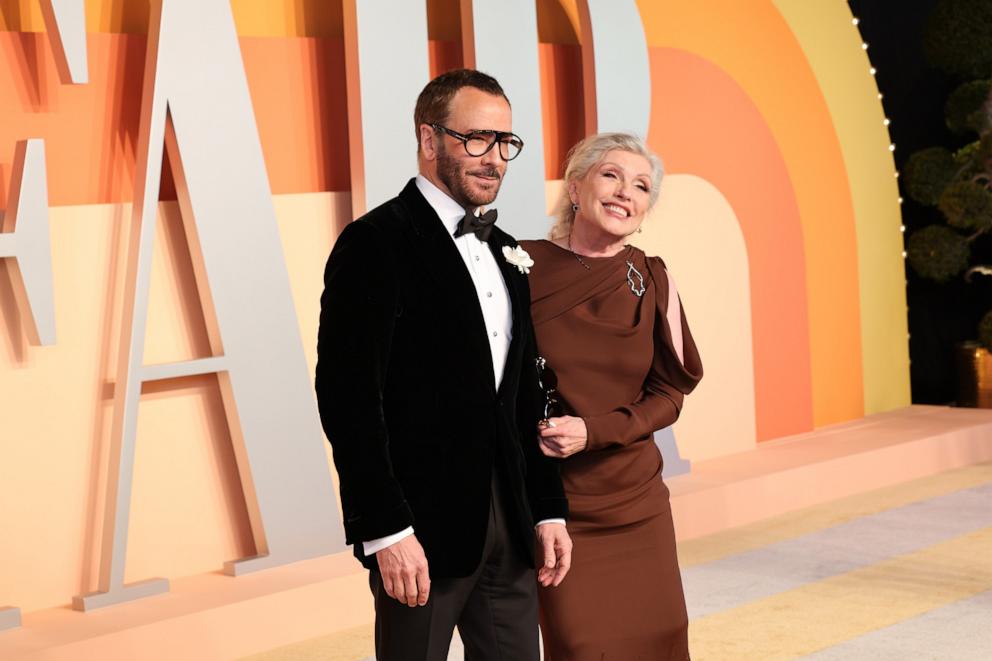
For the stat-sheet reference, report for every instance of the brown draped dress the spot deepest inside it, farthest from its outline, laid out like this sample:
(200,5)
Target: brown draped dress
(623,364)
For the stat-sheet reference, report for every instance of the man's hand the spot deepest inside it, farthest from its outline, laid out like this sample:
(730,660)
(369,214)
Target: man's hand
(404,571)
(562,437)
(555,549)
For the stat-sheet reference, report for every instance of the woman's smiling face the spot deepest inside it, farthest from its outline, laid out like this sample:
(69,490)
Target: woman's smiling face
(614,195)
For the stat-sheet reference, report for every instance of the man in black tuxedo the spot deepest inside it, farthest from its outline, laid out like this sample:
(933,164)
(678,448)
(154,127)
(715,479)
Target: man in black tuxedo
(428,393)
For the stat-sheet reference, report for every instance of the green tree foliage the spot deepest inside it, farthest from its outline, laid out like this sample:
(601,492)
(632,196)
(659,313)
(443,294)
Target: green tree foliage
(928,172)
(959,184)
(967,205)
(957,38)
(966,110)
(937,252)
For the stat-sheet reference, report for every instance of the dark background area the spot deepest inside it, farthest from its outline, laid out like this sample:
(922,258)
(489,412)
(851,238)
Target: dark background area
(940,316)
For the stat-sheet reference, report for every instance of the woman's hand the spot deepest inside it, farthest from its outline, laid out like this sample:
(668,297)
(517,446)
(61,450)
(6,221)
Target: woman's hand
(562,437)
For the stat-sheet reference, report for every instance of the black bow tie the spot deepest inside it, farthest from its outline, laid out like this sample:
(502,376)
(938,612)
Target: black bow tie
(481,225)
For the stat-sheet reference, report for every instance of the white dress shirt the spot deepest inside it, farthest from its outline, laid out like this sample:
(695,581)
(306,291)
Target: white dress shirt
(494,300)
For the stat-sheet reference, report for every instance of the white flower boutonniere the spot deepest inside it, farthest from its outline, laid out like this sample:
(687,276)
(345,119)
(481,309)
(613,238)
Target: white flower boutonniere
(519,258)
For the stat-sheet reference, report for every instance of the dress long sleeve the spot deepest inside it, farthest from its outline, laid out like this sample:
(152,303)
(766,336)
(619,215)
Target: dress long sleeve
(674,372)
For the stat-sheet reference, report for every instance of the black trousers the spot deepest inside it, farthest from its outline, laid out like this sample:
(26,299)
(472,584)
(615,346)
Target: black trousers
(495,609)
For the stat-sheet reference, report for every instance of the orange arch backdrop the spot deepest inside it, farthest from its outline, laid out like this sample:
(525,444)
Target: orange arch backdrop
(730,145)
(769,102)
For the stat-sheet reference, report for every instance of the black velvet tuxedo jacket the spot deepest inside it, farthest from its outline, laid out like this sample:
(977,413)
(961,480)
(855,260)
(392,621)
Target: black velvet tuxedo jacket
(407,396)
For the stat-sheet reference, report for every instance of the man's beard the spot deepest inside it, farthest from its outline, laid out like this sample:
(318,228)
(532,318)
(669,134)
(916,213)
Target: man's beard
(451,175)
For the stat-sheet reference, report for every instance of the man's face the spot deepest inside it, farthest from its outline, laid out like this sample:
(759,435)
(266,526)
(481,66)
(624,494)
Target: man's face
(472,181)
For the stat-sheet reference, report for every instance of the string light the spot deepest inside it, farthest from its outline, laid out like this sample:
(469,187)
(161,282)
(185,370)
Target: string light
(885,120)
(902,228)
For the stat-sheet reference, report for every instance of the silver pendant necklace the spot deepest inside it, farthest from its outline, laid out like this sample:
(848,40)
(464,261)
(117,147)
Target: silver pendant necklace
(632,272)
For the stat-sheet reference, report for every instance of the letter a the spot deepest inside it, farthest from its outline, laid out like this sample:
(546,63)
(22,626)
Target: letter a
(196,103)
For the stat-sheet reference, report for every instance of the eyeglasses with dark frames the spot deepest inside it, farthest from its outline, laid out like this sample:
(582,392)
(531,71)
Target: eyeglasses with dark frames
(548,381)
(478,143)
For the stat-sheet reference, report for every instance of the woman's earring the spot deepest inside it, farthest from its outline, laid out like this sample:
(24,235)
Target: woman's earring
(575,207)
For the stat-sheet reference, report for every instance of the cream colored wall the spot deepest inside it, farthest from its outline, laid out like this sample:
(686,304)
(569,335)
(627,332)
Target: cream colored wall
(694,230)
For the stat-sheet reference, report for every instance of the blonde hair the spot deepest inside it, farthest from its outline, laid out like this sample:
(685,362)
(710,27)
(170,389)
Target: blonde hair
(587,154)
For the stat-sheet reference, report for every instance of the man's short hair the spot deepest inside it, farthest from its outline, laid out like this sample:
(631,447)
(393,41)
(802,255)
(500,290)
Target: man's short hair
(434,103)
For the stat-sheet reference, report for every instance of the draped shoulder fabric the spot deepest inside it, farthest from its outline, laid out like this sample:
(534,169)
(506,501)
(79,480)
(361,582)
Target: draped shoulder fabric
(561,283)
(624,364)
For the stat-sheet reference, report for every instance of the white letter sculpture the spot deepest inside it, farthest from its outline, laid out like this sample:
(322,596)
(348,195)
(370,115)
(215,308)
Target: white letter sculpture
(196,103)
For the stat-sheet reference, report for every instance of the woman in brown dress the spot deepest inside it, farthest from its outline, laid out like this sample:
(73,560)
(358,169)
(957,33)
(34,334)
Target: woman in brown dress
(609,324)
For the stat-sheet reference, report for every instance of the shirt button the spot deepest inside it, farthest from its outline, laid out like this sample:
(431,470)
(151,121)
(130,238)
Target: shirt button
(489,294)
(495,334)
(477,258)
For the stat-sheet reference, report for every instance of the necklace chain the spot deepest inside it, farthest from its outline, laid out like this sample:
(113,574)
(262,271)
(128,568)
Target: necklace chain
(636,287)
(575,254)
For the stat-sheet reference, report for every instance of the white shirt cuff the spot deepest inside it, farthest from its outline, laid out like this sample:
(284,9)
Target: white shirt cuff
(373,546)
(543,521)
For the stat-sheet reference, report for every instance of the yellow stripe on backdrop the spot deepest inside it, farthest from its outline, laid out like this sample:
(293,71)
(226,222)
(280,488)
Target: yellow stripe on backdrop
(823,614)
(832,45)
